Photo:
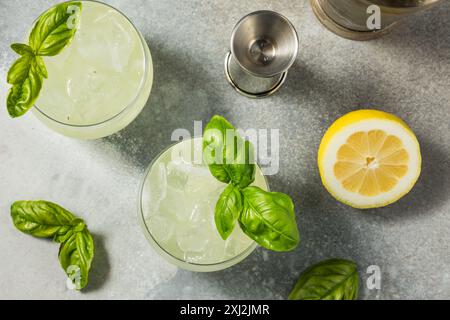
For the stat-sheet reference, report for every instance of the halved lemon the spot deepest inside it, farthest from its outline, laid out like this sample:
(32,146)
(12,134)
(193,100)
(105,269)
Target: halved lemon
(369,159)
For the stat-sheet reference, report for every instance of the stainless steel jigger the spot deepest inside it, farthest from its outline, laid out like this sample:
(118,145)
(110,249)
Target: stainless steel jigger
(264,45)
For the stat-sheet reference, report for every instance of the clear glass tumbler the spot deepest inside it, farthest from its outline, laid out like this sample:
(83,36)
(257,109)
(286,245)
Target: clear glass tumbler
(176,210)
(101,81)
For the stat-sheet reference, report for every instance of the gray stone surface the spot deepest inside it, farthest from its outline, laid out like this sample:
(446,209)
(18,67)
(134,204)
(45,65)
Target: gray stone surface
(406,73)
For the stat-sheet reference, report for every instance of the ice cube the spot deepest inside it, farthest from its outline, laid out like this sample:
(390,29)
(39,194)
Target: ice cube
(161,228)
(157,187)
(198,184)
(211,214)
(237,242)
(88,88)
(167,207)
(185,213)
(216,252)
(176,175)
(84,85)
(192,240)
(190,169)
(187,177)
(180,206)
(161,180)
(197,215)
(176,203)
(54,100)
(106,40)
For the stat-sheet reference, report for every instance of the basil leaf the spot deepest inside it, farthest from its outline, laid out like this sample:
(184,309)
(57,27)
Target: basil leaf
(242,172)
(40,66)
(20,69)
(76,255)
(219,172)
(22,49)
(42,219)
(66,232)
(23,94)
(228,155)
(334,279)
(213,142)
(227,211)
(269,219)
(55,29)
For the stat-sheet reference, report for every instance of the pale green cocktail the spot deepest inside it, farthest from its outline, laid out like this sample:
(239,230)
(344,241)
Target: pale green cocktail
(101,81)
(177,204)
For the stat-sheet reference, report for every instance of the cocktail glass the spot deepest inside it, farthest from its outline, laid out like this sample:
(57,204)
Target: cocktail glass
(101,81)
(176,209)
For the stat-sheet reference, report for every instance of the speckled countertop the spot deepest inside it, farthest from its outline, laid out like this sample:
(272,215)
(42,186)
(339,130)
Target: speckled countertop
(406,73)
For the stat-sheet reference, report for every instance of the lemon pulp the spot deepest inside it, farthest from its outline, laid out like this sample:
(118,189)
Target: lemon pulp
(371,162)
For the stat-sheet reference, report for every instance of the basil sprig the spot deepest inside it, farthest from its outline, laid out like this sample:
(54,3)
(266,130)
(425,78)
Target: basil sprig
(43,219)
(266,217)
(52,32)
(227,154)
(334,279)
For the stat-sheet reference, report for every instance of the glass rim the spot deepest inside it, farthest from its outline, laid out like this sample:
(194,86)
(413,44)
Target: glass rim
(147,58)
(160,248)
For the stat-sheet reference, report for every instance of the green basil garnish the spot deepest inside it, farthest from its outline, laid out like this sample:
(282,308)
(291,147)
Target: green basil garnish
(23,94)
(45,219)
(266,217)
(269,219)
(227,211)
(20,70)
(227,154)
(76,255)
(334,279)
(53,31)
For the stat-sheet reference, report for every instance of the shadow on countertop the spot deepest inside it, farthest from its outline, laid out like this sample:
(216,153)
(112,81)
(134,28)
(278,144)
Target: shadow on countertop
(182,92)
(100,271)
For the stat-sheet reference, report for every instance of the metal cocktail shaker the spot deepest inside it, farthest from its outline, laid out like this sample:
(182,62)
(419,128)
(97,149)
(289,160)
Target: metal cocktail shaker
(353,19)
